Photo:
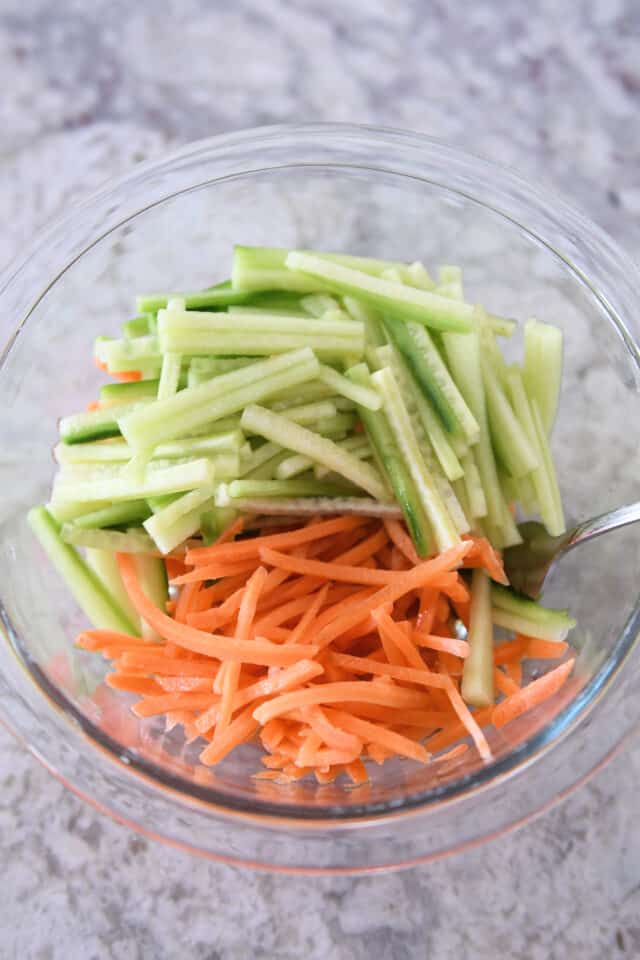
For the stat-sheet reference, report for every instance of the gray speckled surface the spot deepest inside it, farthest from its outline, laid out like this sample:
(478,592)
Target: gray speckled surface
(87,94)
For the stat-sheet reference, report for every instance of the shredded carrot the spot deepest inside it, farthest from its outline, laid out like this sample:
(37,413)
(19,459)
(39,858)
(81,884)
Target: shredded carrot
(532,695)
(504,683)
(251,548)
(232,668)
(93,405)
(544,649)
(330,639)
(458,648)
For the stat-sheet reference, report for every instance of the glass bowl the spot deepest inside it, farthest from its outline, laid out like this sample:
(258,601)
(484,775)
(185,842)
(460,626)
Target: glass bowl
(172,224)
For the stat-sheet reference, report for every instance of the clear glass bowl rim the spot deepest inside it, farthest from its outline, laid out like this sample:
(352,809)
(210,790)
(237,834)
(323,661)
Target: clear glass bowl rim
(557,226)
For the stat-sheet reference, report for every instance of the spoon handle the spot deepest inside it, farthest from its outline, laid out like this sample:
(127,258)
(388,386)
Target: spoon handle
(605,522)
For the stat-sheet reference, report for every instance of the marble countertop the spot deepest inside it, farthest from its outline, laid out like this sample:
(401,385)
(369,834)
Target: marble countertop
(89,90)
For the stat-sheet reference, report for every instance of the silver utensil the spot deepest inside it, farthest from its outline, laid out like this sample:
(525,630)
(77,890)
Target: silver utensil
(528,563)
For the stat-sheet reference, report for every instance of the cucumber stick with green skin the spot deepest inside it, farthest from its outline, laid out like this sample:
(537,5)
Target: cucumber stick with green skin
(431,373)
(395,299)
(89,592)
(463,356)
(440,520)
(543,368)
(278,429)
(391,463)
(264,268)
(226,394)
(105,565)
(412,397)
(513,611)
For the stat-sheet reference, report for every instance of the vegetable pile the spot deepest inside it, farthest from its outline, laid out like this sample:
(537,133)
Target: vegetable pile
(313,455)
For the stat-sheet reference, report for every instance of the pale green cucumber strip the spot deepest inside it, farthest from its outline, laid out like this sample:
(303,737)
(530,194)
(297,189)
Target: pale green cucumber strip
(173,479)
(294,437)
(508,436)
(199,343)
(296,464)
(391,464)
(99,605)
(418,403)
(293,466)
(120,452)
(115,515)
(504,598)
(105,565)
(522,410)
(310,506)
(229,393)
(554,514)
(138,326)
(352,391)
(417,275)
(473,487)
(395,299)
(375,335)
(123,355)
(430,371)
(268,469)
(169,375)
(216,297)
(117,541)
(463,356)
(336,426)
(259,456)
(286,488)
(304,393)
(477,671)
(152,577)
(179,520)
(96,424)
(308,413)
(65,511)
(399,419)
(543,368)
(202,369)
(317,304)
(176,321)
(263,268)
(128,392)
(411,396)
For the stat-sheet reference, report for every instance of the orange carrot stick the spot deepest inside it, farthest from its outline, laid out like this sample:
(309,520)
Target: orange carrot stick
(373,733)
(532,695)
(342,692)
(153,705)
(543,649)
(387,627)
(309,615)
(420,576)
(504,683)
(459,648)
(330,571)
(401,539)
(243,628)
(423,676)
(213,645)
(241,729)
(293,538)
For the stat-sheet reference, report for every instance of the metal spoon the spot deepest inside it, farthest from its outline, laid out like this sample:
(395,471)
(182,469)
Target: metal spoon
(528,563)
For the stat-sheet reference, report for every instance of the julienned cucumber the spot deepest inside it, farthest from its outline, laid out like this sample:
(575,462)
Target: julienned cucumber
(255,394)
(516,612)
(396,299)
(91,595)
